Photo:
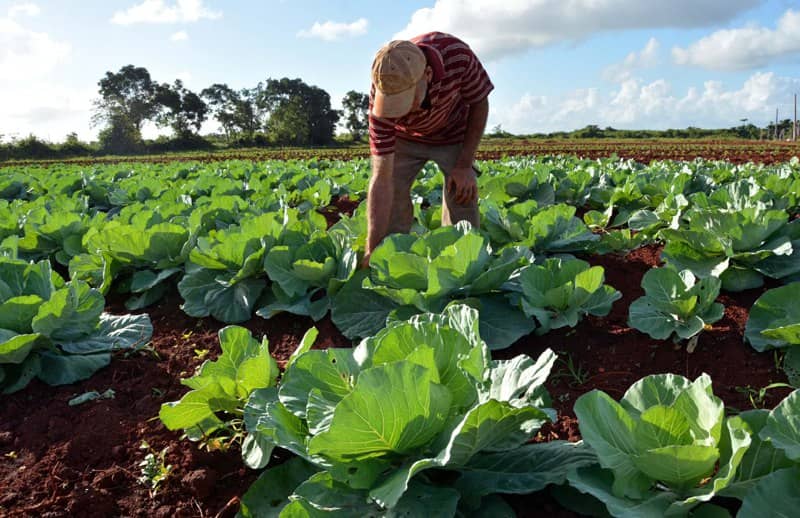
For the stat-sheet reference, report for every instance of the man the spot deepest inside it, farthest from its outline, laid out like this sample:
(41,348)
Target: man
(428,101)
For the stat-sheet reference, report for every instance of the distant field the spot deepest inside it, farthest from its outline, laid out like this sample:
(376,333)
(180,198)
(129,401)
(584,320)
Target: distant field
(642,150)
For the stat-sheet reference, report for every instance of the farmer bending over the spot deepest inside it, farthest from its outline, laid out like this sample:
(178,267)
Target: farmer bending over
(428,101)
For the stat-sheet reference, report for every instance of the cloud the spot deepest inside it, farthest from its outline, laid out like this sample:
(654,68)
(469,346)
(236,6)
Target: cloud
(647,57)
(635,104)
(25,9)
(159,11)
(46,109)
(332,31)
(744,48)
(179,36)
(26,54)
(31,99)
(497,29)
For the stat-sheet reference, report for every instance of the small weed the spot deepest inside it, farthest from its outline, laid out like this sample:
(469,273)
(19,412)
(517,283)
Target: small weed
(777,358)
(200,354)
(145,349)
(758,396)
(575,373)
(154,470)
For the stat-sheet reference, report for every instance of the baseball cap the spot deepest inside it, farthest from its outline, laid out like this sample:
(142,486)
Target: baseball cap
(398,67)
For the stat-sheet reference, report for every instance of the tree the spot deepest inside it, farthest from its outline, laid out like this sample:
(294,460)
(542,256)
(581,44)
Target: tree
(180,108)
(355,106)
(297,113)
(289,124)
(120,137)
(129,96)
(235,111)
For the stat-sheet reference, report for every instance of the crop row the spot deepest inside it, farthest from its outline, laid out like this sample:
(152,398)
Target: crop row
(241,239)
(419,420)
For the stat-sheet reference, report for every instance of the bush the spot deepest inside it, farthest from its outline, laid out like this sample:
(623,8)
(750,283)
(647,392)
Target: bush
(120,138)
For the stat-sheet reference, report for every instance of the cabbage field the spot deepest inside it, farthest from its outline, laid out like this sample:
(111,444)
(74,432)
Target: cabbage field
(197,339)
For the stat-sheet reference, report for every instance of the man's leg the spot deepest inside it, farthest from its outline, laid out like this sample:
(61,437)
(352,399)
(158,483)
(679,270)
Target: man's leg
(408,162)
(453,212)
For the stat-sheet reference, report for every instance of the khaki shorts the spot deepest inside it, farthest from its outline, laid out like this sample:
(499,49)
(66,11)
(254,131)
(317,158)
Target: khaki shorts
(409,158)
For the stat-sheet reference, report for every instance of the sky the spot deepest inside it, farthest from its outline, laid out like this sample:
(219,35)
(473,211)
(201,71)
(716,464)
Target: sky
(556,64)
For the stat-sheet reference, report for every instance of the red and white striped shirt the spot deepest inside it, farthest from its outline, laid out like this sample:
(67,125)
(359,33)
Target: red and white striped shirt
(459,80)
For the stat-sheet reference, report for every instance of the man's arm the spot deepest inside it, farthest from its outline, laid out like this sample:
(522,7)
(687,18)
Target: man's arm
(379,201)
(461,178)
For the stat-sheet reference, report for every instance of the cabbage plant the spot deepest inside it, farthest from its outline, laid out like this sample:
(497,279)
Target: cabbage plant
(740,247)
(663,449)
(213,410)
(675,304)
(559,292)
(416,420)
(57,331)
(412,274)
(776,490)
(774,323)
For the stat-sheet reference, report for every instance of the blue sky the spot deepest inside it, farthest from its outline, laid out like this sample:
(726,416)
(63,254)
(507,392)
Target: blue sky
(556,64)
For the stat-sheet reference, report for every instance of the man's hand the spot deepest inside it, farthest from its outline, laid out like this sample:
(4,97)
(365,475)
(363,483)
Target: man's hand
(461,183)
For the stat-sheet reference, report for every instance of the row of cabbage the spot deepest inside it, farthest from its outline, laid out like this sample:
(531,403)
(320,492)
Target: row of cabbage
(242,238)
(54,212)
(419,420)
(57,331)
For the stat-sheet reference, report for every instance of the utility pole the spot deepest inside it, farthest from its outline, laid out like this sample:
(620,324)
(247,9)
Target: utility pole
(776,124)
(794,126)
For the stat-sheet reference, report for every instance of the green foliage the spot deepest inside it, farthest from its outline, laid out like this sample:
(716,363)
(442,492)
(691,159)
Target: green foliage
(355,106)
(213,410)
(675,304)
(155,471)
(181,109)
(57,331)
(560,292)
(659,447)
(299,114)
(549,230)
(413,274)
(774,320)
(419,396)
(777,467)
(738,246)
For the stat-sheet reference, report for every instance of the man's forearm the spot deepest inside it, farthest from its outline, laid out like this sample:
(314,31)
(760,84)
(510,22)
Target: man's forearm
(476,123)
(379,200)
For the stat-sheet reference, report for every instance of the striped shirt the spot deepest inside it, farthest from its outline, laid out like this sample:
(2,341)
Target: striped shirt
(459,80)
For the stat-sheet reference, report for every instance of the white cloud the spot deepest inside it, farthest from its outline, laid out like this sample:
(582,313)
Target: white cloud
(159,11)
(496,29)
(24,8)
(636,104)
(647,57)
(331,31)
(26,54)
(179,36)
(31,99)
(46,109)
(744,48)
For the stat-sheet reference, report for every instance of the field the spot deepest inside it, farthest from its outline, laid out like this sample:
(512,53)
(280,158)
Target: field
(641,150)
(271,246)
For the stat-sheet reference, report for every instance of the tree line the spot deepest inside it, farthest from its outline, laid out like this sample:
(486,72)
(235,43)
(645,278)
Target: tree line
(275,112)
(285,111)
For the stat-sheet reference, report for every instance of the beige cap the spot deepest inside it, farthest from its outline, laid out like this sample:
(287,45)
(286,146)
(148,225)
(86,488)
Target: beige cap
(397,69)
